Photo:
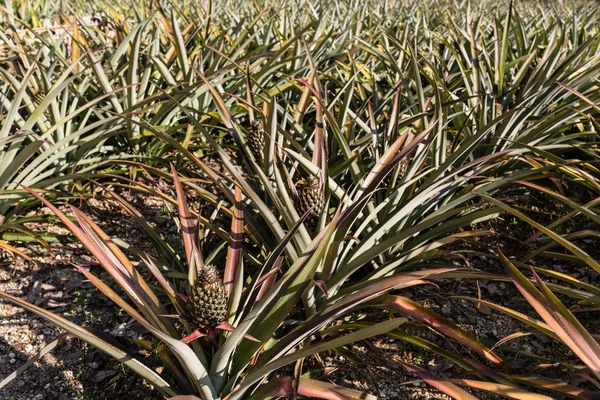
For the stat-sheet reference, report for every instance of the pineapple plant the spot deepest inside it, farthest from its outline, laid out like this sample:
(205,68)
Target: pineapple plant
(207,300)
(310,197)
(256,139)
(279,311)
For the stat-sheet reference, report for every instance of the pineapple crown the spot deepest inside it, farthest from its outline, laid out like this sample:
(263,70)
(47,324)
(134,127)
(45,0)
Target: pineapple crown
(209,274)
(256,124)
(312,182)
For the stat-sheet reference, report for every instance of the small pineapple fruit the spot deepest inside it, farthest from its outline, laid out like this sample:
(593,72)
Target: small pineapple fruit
(37,98)
(450,148)
(256,140)
(499,109)
(310,197)
(207,300)
(403,167)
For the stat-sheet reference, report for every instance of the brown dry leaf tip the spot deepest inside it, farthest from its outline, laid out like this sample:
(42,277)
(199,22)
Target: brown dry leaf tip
(207,300)
(310,197)
(256,139)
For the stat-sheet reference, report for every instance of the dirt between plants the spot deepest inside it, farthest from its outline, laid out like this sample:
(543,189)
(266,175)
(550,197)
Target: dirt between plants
(75,370)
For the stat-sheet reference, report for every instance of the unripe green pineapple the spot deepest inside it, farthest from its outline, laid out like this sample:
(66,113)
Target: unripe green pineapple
(207,300)
(310,197)
(256,140)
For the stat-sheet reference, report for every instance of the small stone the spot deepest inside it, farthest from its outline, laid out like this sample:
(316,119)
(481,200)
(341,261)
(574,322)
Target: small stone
(11,355)
(484,309)
(28,348)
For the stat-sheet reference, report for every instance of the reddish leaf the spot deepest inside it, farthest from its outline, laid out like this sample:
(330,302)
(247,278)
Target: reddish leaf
(189,227)
(225,326)
(441,384)
(234,252)
(557,316)
(322,287)
(192,336)
(438,322)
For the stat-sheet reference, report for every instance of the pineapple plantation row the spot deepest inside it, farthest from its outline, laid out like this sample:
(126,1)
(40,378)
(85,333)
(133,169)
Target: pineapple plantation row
(338,154)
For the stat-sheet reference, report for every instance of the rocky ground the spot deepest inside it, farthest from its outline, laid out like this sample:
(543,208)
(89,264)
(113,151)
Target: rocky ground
(75,370)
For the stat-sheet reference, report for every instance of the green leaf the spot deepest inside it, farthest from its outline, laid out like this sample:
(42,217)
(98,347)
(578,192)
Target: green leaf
(93,340)
(257,374)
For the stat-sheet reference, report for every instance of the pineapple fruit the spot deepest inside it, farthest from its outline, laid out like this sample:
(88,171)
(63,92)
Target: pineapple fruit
(310,196)
(207,300)
(403,167)
(37,98)
(256,140)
